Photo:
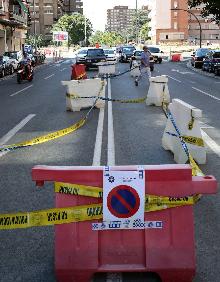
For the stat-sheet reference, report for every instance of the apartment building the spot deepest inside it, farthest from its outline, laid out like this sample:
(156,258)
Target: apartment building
(14,21)
(44,13)
(170,25)
(72,6)
(119,18)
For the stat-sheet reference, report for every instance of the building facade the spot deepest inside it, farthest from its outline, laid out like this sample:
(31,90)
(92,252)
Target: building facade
(14,22)
(72,6)
(170,25)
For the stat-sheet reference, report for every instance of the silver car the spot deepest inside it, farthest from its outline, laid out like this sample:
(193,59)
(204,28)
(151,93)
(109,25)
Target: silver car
(110,55)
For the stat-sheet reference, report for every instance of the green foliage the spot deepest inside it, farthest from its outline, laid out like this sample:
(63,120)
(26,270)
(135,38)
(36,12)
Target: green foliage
(212,7)
(106,38)
(144,31)
(30,40)
(75,25)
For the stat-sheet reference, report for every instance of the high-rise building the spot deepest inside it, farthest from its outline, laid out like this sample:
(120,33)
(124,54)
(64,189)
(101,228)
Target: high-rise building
(120,18)
(72,6)
(14,21)
(45,13)
(168,25)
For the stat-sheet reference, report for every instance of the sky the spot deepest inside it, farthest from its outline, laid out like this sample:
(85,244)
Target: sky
(96,10)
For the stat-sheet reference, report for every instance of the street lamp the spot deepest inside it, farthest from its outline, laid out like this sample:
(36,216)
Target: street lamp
(200,27)
(136,21)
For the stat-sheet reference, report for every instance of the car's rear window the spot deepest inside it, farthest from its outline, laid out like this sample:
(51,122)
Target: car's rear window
(202,52)
(216,55)
(109,51)
(95,52)
(82,52)
(154,50)
(128,49)
(138,53)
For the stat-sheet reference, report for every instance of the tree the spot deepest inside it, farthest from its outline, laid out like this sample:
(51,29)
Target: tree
(32,39)
(211,7)
(139,19)
(145,31)
(106,38)
(75,25)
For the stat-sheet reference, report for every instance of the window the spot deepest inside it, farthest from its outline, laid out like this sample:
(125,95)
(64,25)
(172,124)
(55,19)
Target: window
(175,25)
(175,4)
(167,37)
(175,14)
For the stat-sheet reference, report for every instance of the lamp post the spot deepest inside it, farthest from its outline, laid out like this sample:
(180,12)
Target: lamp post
(200,27)
(85,31)
(136,21)
(35,45)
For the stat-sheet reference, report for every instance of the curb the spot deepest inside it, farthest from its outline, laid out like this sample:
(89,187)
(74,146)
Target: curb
(204,73)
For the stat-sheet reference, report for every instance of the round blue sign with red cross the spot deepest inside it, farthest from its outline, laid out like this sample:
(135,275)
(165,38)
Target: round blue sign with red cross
(123,201)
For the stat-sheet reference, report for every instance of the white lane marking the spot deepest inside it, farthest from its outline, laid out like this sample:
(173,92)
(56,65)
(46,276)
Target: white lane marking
(49,76)
(111,139)
(21,90)
(63,69)
(98,143)
(182,72)
(207,94)
(211,143)
(174,78)
(13,131)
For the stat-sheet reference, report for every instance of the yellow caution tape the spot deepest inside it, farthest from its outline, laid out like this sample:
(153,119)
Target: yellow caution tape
(45,138)
(196,171)
(97,192)
(81,75)
(69,215)
(194,140)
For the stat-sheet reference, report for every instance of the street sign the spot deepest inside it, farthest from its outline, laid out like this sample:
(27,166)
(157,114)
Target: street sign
(60,36)
(123,195)
(123,201)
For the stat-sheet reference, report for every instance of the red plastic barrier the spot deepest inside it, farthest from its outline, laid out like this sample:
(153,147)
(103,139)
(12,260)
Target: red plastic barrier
(78,72)
(169,252)
(176,57)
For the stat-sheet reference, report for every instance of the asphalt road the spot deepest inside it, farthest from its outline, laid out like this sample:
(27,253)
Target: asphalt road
(132,136)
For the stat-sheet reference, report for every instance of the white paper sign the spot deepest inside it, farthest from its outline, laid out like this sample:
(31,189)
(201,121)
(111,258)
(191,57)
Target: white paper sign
(123,195)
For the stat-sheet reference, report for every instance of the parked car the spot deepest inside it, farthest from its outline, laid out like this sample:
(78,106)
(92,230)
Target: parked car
(110,55)
(156,53)
(81,55)
(94,56)
(137,57)
(5,66)
(126,53)
(12,59)
(17,55)
(210,60)
(198,56)
(217,69)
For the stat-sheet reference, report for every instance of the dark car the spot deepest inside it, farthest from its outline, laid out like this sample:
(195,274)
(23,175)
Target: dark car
(198,56)
(5,66)
(217,69)
(94,56)
(126,53)
(211,60)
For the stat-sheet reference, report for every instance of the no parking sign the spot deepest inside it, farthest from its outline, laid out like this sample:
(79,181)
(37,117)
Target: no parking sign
(123,195)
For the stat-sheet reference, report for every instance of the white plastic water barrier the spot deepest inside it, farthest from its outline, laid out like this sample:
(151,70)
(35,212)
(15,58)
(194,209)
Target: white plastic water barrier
(106,68)
(186,118)
(84,88)
(158,92)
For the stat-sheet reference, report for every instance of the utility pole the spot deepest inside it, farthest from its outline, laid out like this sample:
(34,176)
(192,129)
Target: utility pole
(136,21)
(85,31)
(35,45)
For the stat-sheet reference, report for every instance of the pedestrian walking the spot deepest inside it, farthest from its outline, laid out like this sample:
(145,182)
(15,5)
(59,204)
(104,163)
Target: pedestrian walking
(145,66)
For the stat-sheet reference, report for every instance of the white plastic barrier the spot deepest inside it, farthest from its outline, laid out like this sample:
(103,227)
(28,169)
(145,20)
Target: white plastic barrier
(158,91)
(84,88)
(185,117)
(106,68)
(135,71)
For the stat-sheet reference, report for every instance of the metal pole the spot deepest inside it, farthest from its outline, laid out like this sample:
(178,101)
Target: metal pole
(34,26)
(85,32)
(136,21)
(200,27)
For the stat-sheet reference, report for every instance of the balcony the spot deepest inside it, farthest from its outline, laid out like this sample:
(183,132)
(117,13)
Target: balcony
(16,16)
